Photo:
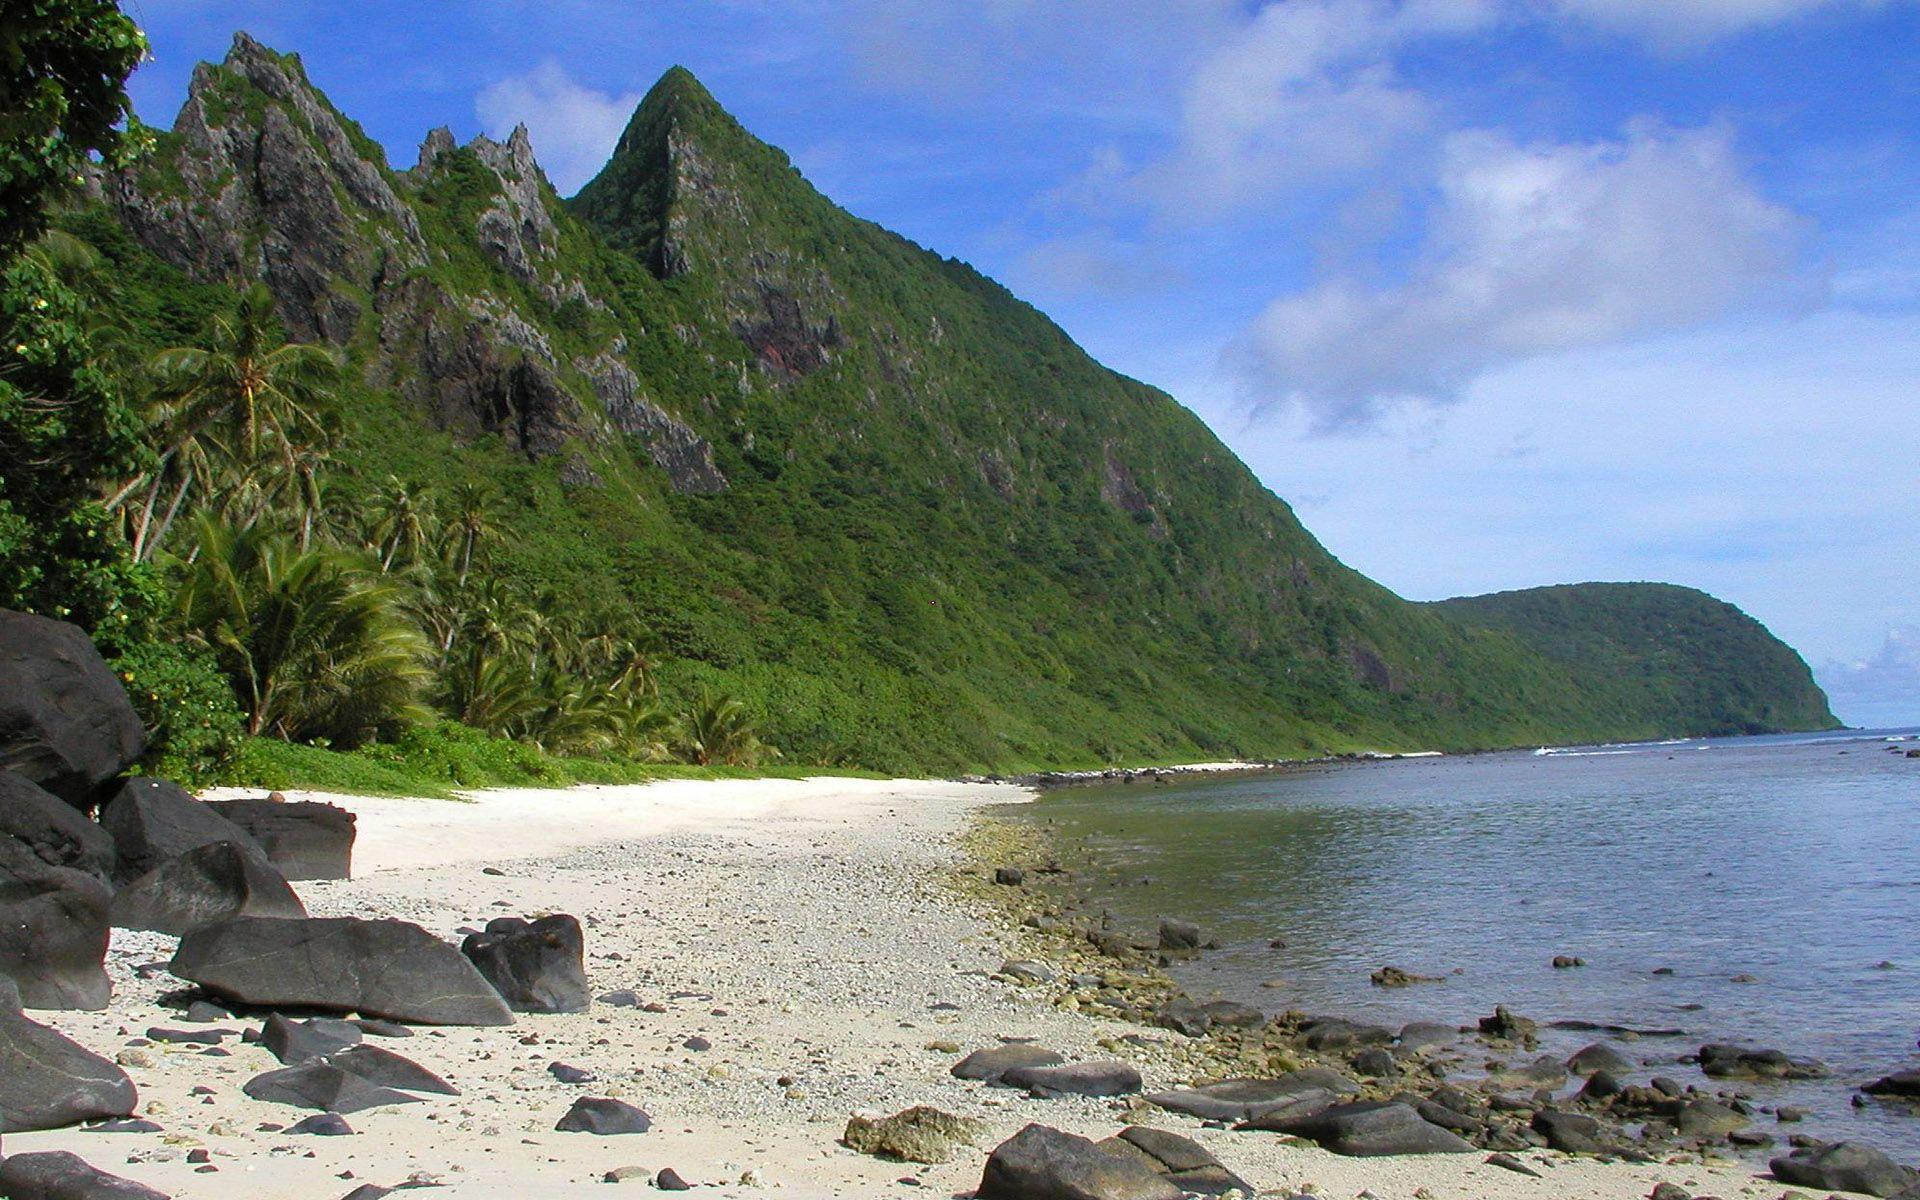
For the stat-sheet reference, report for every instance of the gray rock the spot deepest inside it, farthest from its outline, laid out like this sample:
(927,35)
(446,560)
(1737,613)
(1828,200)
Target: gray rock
(990,1064)
(326,1124)
(1844,1167)
(1707,1119)
(1569,1133)
(296,1042)
(1109,1078)
(1371,1128)
(1179,935)
(1294,1094)
(58,1175)
(1416,1037)
(48,1081)
(1506,1025)
(152,821)
(1185,1162)
(390,969)
(537,966)
(304,839)
(1023,970)
(1337,1034)
(1904,1084)
(1041,1163)
(384,1068)
(1009,876)
(53,931)
(1719,1061)
(206,885)
(57,833)
(323,1086)
(65,721)
(1599,1057)
(606,1118)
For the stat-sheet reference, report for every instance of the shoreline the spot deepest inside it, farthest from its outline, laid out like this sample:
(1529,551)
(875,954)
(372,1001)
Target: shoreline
(834,943)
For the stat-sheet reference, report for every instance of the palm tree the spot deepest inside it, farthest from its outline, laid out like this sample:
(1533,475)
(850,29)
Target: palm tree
(717,730)
(405,521)
(471,523)
(315,644)
(220,409)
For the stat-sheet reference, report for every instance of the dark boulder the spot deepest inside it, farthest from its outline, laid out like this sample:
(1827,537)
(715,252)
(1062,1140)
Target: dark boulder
(537,966)
(48,1081)
(1569,1133)
(323,1086)
(208,884)
(58,1175)
(391,969)
(1372,1128)
(1337,1034)
(604,1117)
(1904,1084)
(57,833)
(65,721)
(1179,935)
(1734,1062)
(1294,1094)
(1844,1167)
(990,1064)
(1185,1162)
(152,821)
(1599,1057)
(1196,1018)
(1112,1078)
(296,1042)
(1041,1163)
(384,1068)
(324,1124)
(1507,1025)
(53,931)
(305,839)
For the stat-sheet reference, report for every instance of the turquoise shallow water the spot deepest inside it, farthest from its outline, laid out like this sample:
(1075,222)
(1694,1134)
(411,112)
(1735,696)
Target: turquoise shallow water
(1795,860)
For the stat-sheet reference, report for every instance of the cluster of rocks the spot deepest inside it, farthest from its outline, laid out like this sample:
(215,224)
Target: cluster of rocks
(1361,1089)
(85,849)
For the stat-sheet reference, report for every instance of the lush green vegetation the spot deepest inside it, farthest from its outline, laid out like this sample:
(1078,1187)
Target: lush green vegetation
(947,538)
(1654,659)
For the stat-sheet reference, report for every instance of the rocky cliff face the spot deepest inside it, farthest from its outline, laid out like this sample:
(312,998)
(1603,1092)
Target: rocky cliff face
(262,180)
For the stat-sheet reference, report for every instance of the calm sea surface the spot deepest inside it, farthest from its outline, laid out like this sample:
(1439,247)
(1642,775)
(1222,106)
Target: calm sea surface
(1795,860)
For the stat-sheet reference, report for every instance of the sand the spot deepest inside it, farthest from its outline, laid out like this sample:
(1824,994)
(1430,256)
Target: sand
(804,928)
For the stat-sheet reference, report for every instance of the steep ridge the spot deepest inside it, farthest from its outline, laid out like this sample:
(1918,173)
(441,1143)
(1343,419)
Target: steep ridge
(863,486)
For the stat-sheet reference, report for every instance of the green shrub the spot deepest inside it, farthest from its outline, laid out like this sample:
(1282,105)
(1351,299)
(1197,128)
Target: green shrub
(193,724)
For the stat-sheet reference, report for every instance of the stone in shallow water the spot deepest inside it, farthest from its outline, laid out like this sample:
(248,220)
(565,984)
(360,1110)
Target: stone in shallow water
(1844,1167)
(1599,1057)
(387,968)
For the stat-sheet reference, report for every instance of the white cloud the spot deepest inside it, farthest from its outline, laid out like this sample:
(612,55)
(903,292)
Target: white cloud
(574,128)
(1305,91)
(1685,22)
(1881,690)
(1532,250)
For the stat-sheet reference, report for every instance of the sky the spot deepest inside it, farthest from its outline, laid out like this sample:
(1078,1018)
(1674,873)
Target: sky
(1496,293)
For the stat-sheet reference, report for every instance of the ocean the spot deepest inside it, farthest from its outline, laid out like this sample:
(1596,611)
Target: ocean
(1776,878)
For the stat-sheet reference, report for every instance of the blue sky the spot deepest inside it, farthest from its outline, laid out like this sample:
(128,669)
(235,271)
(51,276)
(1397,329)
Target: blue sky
(1495,292)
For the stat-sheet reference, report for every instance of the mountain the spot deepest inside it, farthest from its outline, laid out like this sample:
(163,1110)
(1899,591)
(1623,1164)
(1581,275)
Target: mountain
(860,485)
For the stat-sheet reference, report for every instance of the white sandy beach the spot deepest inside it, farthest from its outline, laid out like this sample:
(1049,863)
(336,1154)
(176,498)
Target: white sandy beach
(799,926)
